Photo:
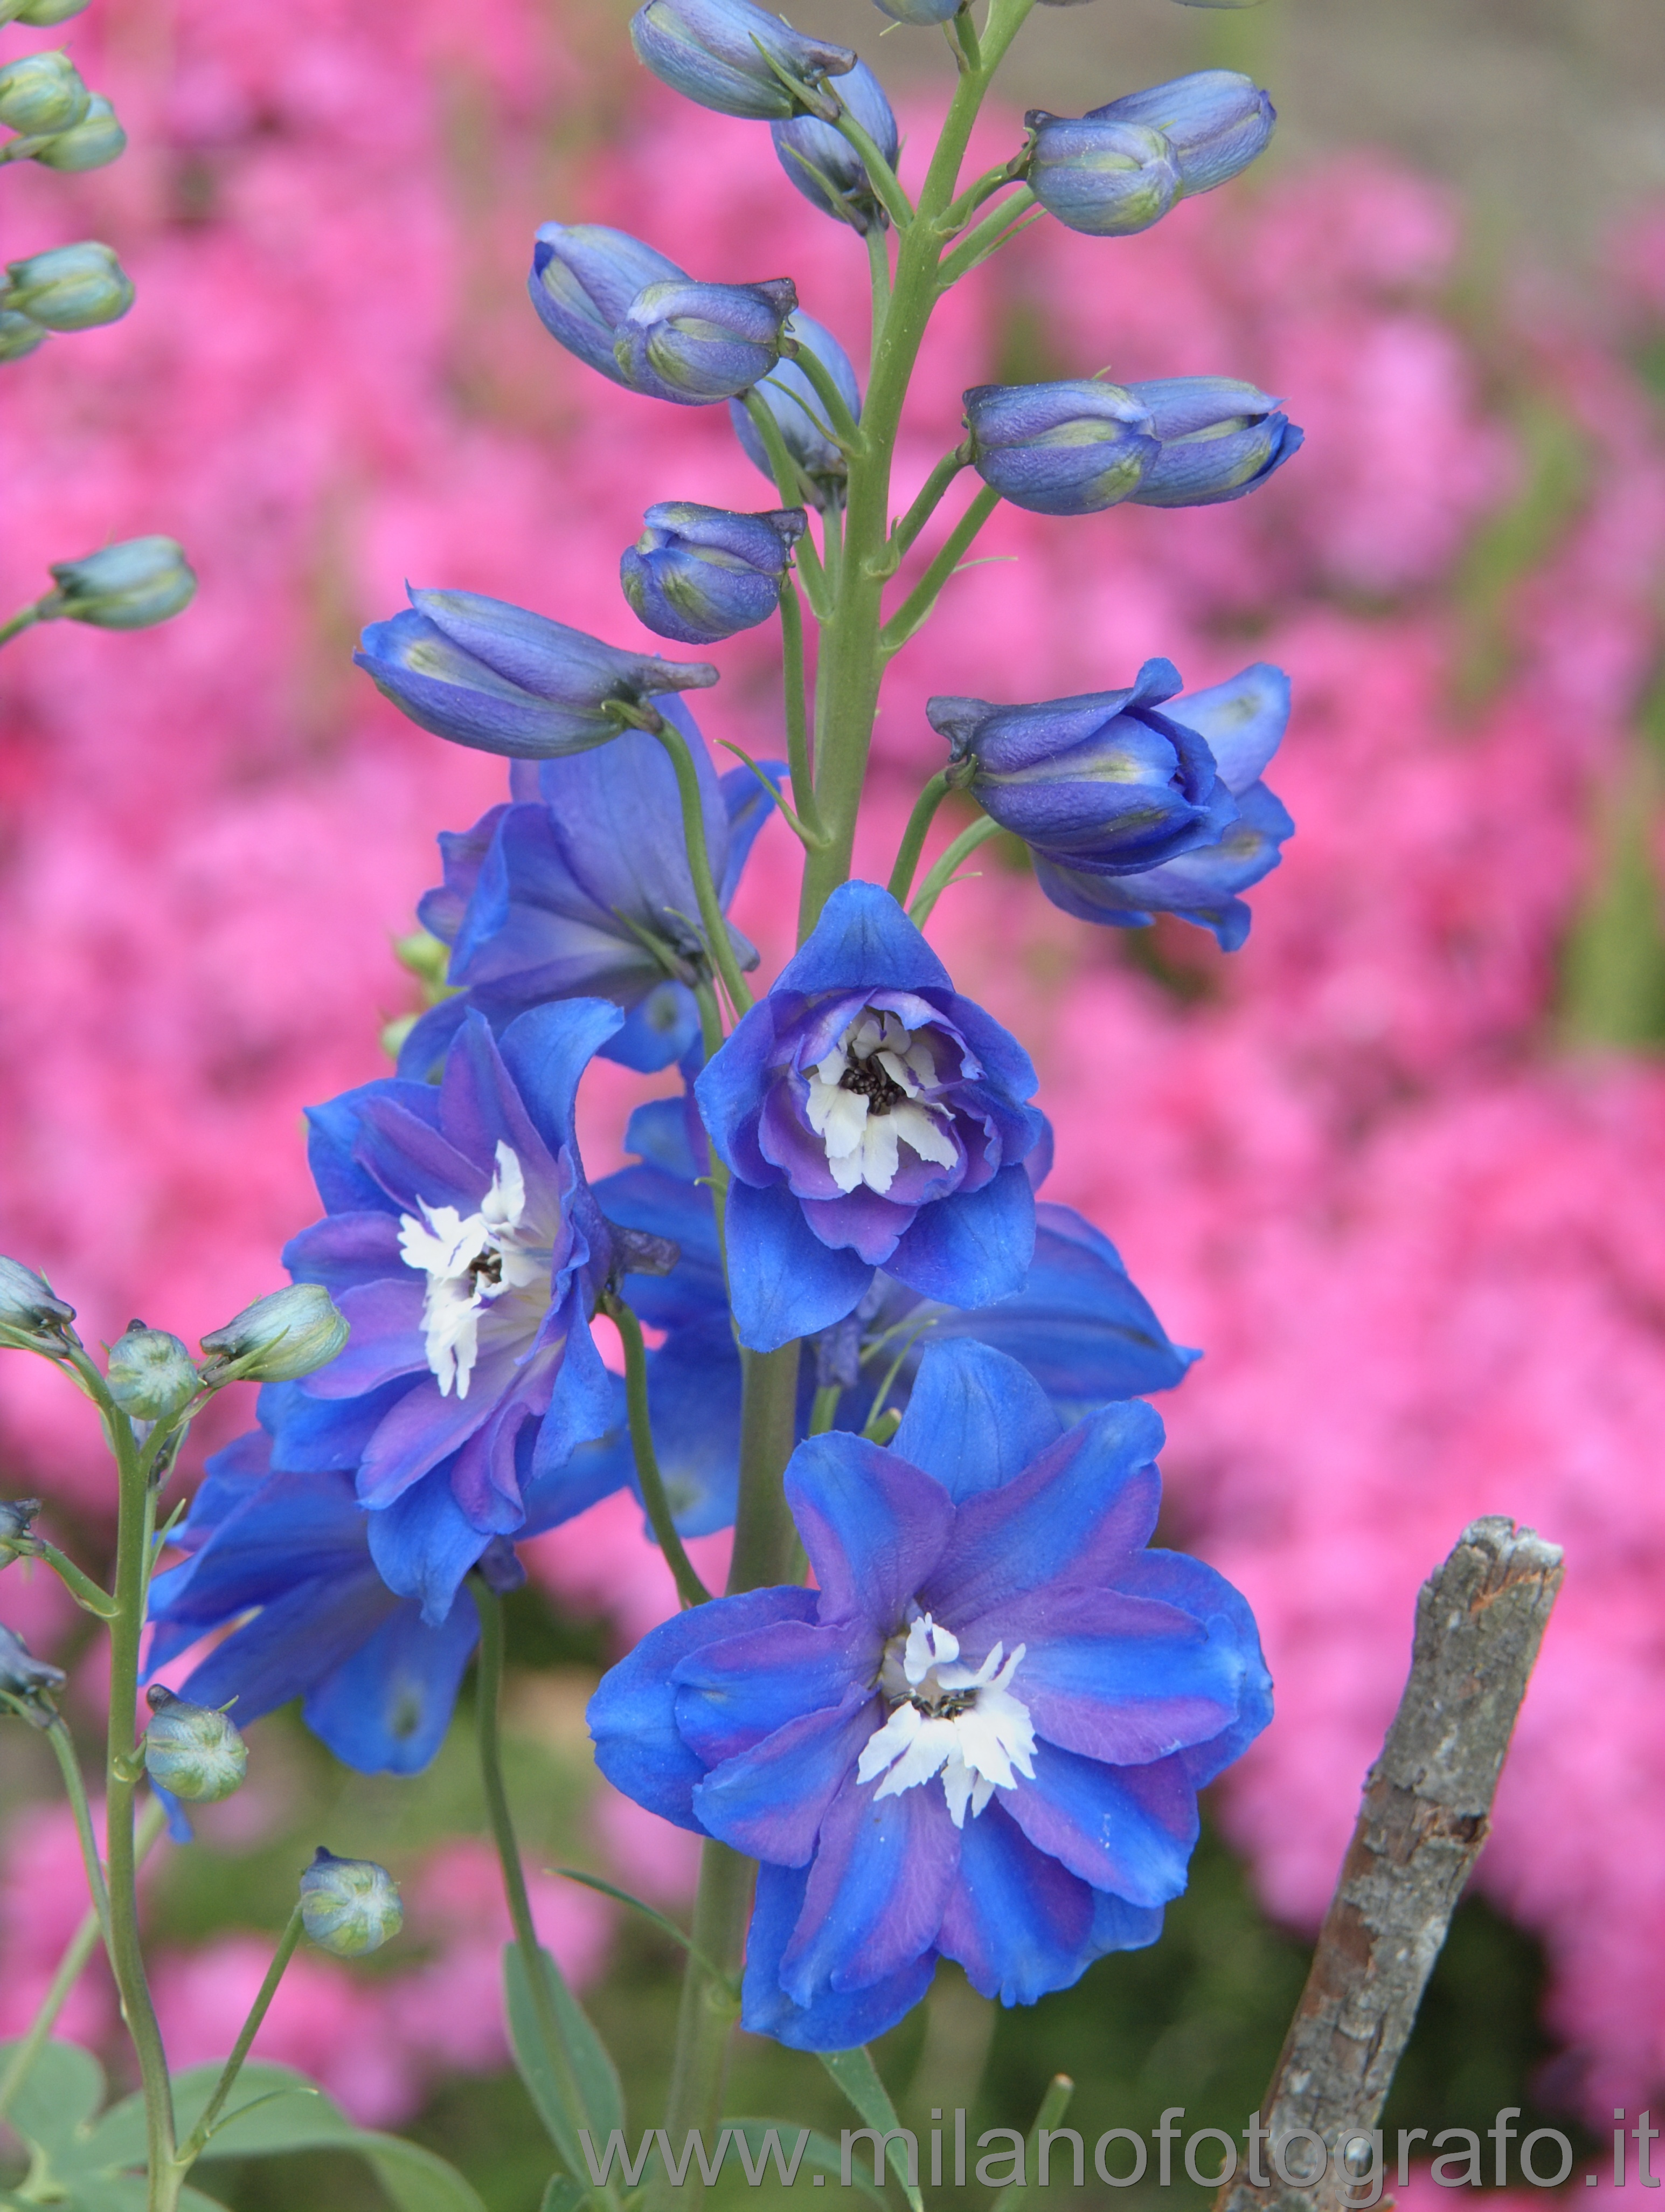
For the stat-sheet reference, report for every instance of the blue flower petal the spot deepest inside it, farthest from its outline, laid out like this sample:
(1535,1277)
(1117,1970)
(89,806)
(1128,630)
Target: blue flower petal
(770,1800)
(423,1544)
(971,1248)
(782,1280)
(1129,1829)
(385,1709)
(1205,1594)
(836,2021)
(1019,1922)
(976,1418)
(546,1052)
(864,938)
(873,1526)
(883,1872)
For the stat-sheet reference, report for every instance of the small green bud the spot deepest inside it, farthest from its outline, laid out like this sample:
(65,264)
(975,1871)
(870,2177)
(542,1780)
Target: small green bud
(17,1537)
(42,91)
(69,288)
(40,14)
(127,585)
(19,335)
(88,145)
(278,1339)
(30,1316)
(31,1681)
(349,1906)
(151,1375)
(192,1750)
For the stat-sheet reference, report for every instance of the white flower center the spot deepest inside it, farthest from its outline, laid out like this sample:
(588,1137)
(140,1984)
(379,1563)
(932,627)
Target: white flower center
(470,1262)
(945,1719)
(864,1101)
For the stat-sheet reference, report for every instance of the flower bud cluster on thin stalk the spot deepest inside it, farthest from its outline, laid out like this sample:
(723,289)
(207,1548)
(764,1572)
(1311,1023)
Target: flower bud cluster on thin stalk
(878,1351)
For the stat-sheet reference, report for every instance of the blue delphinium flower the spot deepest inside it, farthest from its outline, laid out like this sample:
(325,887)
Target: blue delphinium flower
(1220,440)
(1217,122)
(696,343)
(580,888)
(1243,721)
(980,1736)
(493,676)
(799,413)
(584,276)
(1103,177)
(719,54)
(463,1249)
(823,164)
(283,1562)
(1106,775)
(701,574)
(870,1116)
(1079,1326)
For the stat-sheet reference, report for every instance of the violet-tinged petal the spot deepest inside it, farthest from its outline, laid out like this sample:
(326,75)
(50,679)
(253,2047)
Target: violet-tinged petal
(1018,1922)
(874,1527)
(882,1875)
(975,1420)
(836,2019)
(1129,1829)
(769,1801)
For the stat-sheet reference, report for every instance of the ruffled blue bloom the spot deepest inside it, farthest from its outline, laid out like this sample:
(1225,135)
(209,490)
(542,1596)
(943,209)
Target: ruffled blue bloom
(580,889)
(379,1678)
(717,53)
(824,164)
(584,277)
(1216,121)
(796,406)
(491,675)
(1079,1326)
(696,343)
(702,574)
(1243,721)
(1104,179)
(463,1247)
(870,1116)
(980,1736)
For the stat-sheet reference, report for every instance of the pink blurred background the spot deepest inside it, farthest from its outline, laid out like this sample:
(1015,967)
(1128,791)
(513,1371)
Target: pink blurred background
(1397,1166)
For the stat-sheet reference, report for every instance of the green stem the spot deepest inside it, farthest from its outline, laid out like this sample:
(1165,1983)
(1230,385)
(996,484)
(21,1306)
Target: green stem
(797,717)
(990,236)
(824,1410)
(878,263)
(916,610)
(538,1967)
(71,1967)
(943,874)
(846,431)
(929,499)
(86,1594)
(700,867)
(288,1943)
(22,620)
(75,1788)
(882,177)
(763,1530)
(796,488)
(704,2022)
(689,1588)
(913,837)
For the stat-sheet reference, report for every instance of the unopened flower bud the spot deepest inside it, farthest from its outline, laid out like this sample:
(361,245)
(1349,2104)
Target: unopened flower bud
(40,14)
(40,92)
(192,1751)
(69,288)
(1064,448)
(1216,122)
(19,335)
(584,277)
(699,573)
(30,1680)
(781,392)
(17,1539)
(824,164)
(696,343)
(719,54)
(920,13)
(349,1906)
(151,1375)
(131,585)
(279,1338)
(1220,438)
(499,679)
(29,1314)
(90,144)
(1104,179)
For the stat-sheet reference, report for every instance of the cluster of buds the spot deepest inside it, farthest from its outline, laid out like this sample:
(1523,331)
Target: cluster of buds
(1119,168)
(58,122)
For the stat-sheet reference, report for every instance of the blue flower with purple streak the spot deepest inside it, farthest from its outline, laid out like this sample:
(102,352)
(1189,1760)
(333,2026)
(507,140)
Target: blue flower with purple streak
(464,1250)
(979,1737)
(870,1116)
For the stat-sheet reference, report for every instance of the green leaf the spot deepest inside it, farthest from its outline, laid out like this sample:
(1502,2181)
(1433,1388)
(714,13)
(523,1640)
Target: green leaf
(1053,2106)
(660,1921)
(594,2077)
(56,2099)
(858,2077)
(820,2154)
(417,2180)
(563,2195)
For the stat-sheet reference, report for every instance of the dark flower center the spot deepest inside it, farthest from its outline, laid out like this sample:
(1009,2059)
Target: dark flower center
(869,1081)
(946,1706)
(485,1266)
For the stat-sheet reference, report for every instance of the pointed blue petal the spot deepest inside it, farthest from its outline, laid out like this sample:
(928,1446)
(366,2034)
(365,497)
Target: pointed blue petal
(837,2020)
(972,1249)
(782,1280)
(975,1419)
(864,940)
(385,1709)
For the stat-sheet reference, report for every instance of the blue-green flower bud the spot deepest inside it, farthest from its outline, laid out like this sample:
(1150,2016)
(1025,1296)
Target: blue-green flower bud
(128,585)
(151,1375)
(349,1906)
(1105,179)
(69,288)
(88,145)
(30,1680)
(19,335)
(29,1314)
(40,14)
(17,1537)
(192,1751)
(42,91)
(278,1339)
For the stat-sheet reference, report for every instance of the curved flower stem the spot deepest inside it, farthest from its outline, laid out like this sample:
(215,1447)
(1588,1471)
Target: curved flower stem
(883,179)
(71,1967)
(89,1595)
(913,837)
(929,499)
(795,488)
(917,609)
(700,867)
(689,1588)
(192,2147)
(990,236)
(943,874)
(75,1789)
(797,721)
(25,618)
(846,431)
(538,1966)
